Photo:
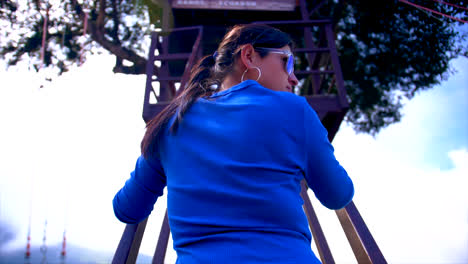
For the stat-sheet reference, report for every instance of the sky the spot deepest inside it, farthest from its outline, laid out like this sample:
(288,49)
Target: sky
(66,149)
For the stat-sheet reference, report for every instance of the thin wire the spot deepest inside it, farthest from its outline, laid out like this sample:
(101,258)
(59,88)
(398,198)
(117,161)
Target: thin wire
(429,14)
(454,5)
(433,11)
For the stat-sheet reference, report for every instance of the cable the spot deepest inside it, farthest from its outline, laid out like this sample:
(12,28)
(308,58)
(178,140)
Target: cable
(433,11)
(450,4)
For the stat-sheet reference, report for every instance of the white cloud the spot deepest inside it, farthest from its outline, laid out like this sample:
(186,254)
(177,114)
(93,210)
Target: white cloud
(417,215)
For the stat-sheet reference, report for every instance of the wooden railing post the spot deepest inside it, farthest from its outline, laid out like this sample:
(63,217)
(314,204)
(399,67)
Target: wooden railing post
(336,66)
(129,245)
(364,247)
(161,247)
(319,237)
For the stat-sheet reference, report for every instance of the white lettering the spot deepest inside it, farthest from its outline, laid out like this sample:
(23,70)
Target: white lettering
(236,3)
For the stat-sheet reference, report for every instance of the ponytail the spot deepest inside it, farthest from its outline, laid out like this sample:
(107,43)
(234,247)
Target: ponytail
(198,86)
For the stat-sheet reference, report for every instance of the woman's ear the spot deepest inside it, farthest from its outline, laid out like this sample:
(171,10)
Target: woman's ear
(248,56)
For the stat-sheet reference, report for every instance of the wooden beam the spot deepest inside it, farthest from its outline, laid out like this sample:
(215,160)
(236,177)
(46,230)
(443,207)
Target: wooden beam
(161,247)
(314,224)
(175,56)
(362,242)
(129,245)
(336,66)
(191,61)
(149,73)
(296,23)
(264,5)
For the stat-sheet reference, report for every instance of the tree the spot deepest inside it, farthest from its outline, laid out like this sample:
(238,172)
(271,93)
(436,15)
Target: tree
(118,26)
(388,50)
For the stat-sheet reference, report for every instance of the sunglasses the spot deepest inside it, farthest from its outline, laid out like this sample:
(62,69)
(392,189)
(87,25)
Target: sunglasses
(289,64)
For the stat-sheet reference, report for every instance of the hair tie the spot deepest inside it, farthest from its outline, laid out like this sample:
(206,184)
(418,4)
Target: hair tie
(215,54)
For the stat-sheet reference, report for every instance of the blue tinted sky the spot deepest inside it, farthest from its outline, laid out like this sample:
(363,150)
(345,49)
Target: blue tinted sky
(439,120)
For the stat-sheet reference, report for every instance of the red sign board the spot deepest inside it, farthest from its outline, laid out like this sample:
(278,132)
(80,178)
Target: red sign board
(271,5)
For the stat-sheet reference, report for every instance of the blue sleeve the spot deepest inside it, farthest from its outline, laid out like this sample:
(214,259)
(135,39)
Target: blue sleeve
(324,175)
(135,201)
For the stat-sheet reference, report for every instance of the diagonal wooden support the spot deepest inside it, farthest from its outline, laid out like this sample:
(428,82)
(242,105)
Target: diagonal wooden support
(319,236)
(161,247)
(362,242)
(129,245)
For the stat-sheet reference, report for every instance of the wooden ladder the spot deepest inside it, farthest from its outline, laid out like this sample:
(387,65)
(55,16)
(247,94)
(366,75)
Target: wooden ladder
(166,80)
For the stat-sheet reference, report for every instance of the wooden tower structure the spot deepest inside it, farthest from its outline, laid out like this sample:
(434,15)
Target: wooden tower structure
(194,28)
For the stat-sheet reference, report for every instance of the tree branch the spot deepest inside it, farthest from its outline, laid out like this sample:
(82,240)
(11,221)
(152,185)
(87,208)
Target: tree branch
(97,34)
(100,21)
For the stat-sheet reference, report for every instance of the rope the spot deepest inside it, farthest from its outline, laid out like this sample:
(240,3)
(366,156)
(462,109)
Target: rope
(433,11)
(44,40)
(85,28)
(44,37)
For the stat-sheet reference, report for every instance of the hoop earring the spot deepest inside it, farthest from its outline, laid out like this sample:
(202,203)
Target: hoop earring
(246,70)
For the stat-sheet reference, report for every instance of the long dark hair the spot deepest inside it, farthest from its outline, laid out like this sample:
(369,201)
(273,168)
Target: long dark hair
(209,72)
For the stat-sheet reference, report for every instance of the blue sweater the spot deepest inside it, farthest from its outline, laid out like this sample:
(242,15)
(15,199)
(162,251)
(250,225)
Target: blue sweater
(233,170)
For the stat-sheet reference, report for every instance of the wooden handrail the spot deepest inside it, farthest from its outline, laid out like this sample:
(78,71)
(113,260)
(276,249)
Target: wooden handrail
(191,61)
(161,247)
(362,242)
(319,237)
(336,65)
(129,245)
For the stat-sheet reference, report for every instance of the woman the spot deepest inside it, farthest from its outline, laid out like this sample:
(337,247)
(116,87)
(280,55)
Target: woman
(232,150)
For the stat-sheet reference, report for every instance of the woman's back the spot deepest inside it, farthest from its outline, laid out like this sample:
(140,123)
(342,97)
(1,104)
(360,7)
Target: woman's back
(233,172)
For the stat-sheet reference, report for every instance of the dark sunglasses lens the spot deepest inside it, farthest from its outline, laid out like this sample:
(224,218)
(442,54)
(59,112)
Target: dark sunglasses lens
(290,64)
